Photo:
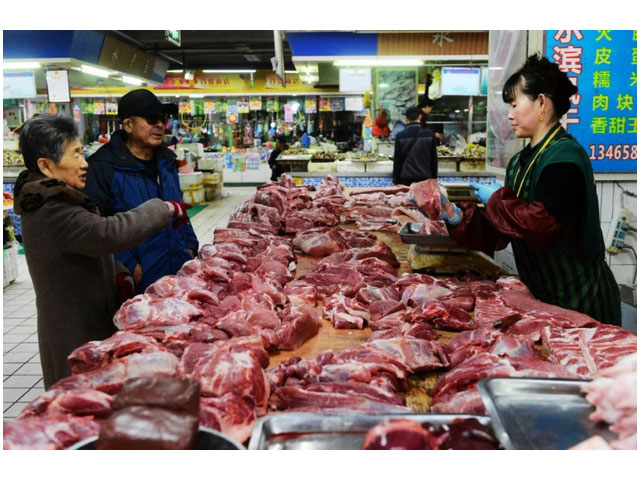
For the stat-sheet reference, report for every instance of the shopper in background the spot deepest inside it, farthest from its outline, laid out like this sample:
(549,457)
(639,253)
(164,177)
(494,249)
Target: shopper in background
(548,208)
(68,246)
(414,155)
(276,168)
(305,141)
(426,106)
(132,168)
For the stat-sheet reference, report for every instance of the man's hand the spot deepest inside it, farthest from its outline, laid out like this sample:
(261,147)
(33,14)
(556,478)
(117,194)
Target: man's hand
(191,252)
(179,212)
(137,273)
(484,192)
(439,136)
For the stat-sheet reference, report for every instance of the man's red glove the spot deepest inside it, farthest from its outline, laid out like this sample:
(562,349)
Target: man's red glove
(179,212)
(126,287)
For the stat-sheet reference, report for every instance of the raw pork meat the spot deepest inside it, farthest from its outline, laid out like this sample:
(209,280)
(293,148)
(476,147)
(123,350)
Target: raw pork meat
(300,292)
(416,354)
(100,352)
(189,288)
(228,368)
(299,324)
(143,310)
(380,251)
(319,242)
(47,433)
(398,434)
(79,401)
(426,194)
(614,394)
(300,398)
(110,377)
(466,401)
(584,351)
(230,414)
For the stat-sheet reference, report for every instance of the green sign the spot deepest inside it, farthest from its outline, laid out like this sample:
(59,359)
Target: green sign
(173,36)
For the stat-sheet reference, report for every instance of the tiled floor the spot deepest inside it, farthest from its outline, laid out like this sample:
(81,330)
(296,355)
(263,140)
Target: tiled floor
(22,374)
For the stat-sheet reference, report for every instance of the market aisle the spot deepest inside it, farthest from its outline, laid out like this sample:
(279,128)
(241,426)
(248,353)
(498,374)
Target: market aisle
(22,375)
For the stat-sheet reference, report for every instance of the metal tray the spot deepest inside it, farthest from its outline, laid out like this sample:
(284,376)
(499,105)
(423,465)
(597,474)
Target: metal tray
(315,431)
(539,414)
(409,234)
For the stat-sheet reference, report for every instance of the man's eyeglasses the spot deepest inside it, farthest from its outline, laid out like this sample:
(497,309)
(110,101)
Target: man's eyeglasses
(153,119)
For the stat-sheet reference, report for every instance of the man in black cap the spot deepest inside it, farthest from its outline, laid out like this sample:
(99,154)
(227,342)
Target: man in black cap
(133,168)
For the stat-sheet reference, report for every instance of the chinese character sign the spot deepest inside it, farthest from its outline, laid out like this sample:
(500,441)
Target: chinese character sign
(603,114)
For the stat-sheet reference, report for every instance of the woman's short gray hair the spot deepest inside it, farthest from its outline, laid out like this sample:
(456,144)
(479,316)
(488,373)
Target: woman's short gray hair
(45,136)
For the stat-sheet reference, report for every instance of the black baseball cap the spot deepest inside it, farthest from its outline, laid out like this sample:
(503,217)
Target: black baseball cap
(143,103)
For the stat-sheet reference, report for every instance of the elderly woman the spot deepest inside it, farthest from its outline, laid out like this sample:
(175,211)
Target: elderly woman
(548,209)
(69,247)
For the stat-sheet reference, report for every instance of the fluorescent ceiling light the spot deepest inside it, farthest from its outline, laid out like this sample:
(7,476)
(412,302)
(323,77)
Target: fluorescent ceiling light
(229,71)
(379,62)
(98,72)
(290,71)
(131,80)
(175,71)
(19,65)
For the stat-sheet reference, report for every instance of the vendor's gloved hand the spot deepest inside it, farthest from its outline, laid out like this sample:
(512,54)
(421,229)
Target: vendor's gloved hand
(179,212)
(483,191)
(451,213)
(125,287)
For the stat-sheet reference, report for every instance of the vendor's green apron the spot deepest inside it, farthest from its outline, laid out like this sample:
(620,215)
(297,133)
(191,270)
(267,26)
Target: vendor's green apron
(558,275)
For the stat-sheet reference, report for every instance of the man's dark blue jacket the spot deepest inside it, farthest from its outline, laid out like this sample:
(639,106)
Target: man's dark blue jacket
(117,181)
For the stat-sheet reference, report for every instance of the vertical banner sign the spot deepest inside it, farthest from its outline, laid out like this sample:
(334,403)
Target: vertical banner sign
(255,103)
(288,113)
(603,114)
(310,105)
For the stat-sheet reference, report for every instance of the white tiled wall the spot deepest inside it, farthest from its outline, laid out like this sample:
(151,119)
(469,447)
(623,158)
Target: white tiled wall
(611,199)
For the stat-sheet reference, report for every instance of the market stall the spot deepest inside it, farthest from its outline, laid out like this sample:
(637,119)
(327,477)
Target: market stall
(316,313)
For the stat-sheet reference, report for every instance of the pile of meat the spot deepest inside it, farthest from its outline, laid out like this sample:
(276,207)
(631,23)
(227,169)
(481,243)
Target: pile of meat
(367,378)
(214,321)
(381,209)
(613,392)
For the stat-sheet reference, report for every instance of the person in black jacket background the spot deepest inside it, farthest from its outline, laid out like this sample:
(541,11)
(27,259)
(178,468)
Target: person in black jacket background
(414,156)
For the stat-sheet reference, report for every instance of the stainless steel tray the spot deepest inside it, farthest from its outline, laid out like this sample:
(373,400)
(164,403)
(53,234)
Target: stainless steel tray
(409,234)
(539,414)
(314,431)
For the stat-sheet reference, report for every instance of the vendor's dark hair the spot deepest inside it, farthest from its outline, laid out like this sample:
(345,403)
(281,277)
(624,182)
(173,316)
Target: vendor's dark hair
(412,114)
(45,136)
(539,75)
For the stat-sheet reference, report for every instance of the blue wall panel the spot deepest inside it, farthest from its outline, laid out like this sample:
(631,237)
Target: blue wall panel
(87,45)
(313,44)
(36,43)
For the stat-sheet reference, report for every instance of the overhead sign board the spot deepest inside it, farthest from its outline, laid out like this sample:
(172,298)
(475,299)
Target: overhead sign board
(603,115)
